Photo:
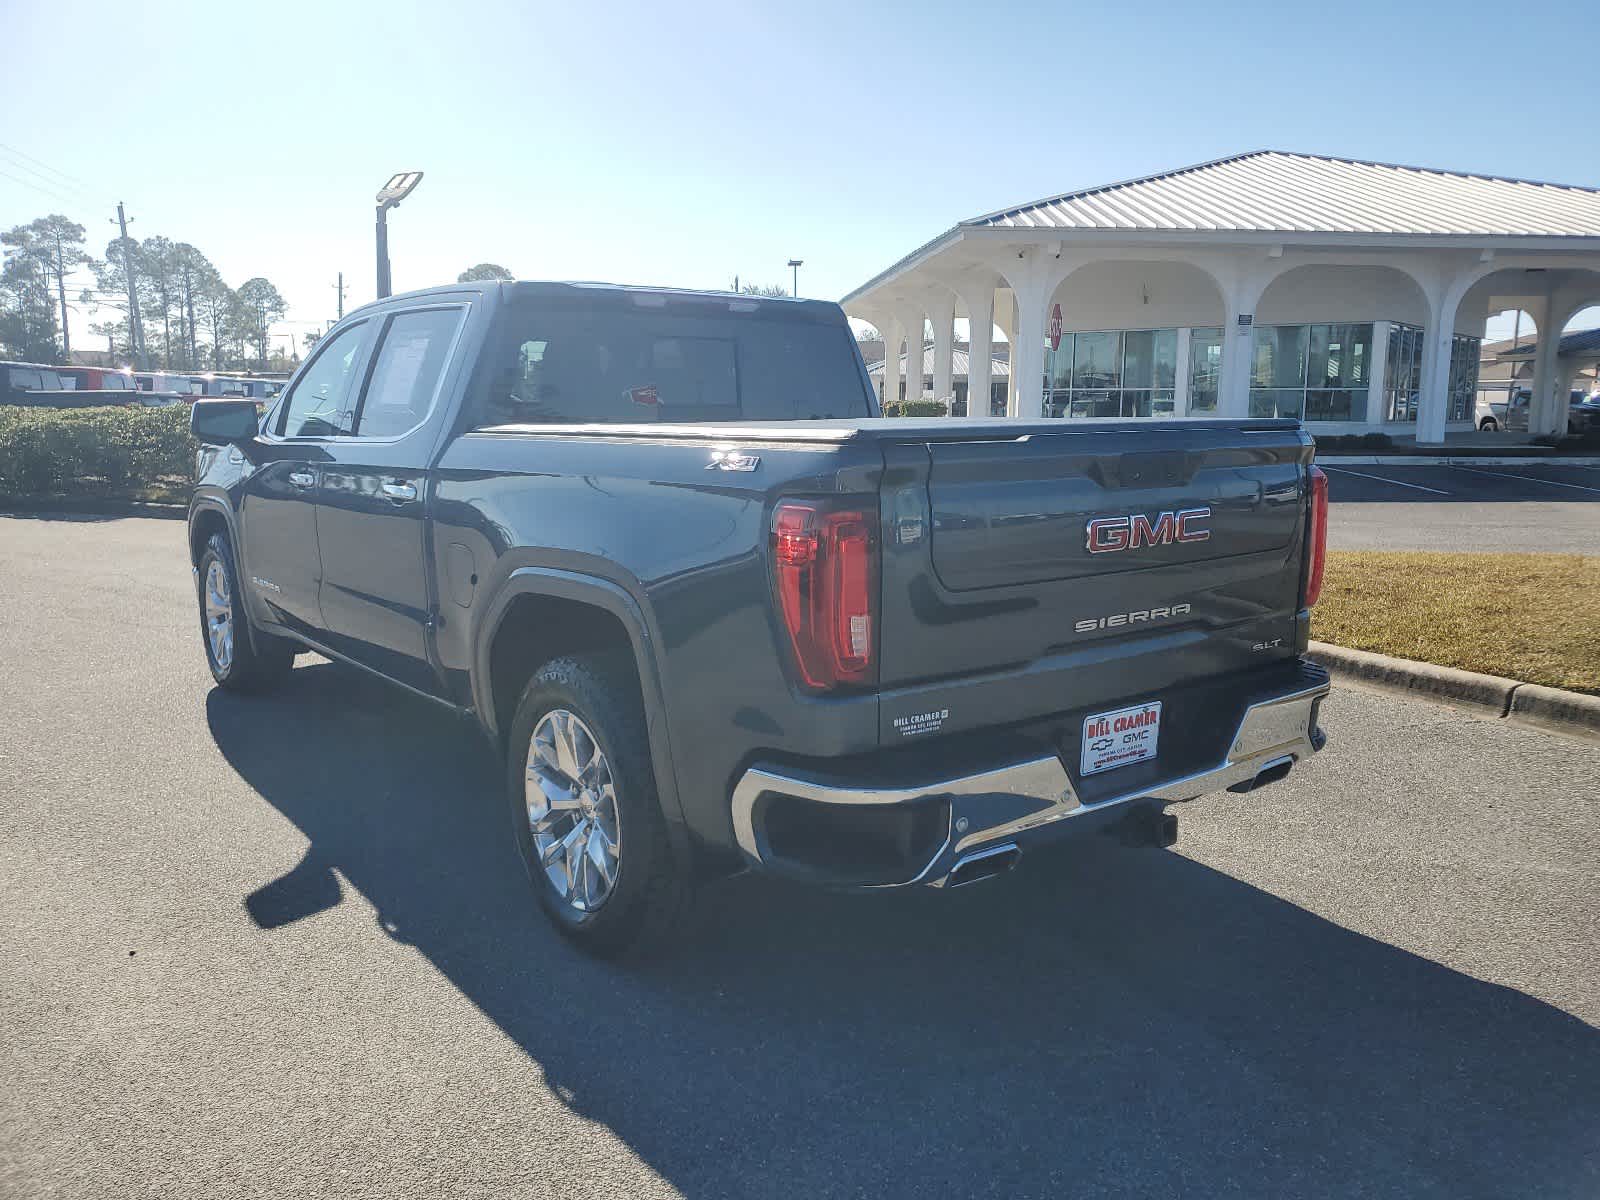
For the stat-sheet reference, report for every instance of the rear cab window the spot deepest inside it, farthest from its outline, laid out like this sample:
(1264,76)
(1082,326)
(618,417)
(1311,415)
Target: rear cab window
(406,370)
(634,362)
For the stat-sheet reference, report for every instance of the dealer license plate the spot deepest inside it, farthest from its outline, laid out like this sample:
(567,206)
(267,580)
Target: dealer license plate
(1115,739)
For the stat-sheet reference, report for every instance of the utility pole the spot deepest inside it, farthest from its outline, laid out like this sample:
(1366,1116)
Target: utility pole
(794,265)
(340,289)
(135,326)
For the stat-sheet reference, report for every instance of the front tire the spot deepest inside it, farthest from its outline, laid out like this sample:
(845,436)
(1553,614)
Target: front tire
(585,814)
(240,658)
(1488,425)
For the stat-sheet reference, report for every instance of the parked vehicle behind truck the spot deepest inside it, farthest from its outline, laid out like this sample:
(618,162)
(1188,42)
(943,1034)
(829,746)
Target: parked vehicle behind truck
(714,613)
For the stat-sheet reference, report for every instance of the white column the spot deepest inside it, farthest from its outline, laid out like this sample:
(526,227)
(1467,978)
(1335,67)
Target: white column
(1241,291)
(1238,345)
(1010,327)
(1566,378)
(942,313)
(1377,374)
(1027,355)
(1180,381)
(1541,405)
(1437,339)
(890,329)
(980,349)
(913,320)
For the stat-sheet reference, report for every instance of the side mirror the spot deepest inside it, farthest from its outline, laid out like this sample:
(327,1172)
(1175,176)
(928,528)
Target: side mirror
(224,422)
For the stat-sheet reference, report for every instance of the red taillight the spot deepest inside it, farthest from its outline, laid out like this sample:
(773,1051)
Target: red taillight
(823,563)
(1317,541)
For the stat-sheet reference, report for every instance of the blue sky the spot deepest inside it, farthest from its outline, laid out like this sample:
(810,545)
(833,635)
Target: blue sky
(684,144)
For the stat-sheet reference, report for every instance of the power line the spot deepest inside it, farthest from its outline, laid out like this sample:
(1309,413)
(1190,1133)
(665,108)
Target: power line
(47,180)
(41,163)
(38,187)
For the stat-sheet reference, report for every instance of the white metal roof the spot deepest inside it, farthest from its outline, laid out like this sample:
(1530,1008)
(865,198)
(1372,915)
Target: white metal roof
(1270,191)
(958,364)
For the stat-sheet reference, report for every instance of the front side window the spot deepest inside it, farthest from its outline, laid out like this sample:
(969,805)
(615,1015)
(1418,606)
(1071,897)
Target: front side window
(317,403)
(569,365)
(406,371)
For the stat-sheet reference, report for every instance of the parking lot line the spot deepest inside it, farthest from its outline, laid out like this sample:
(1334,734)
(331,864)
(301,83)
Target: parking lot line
(1384,479)
(1577,487)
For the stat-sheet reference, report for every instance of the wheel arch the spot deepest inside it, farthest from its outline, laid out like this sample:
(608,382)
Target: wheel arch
(587,610)
(207,516)
(210,515)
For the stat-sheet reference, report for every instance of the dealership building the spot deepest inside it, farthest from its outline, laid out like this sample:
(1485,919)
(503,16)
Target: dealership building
(1351,294)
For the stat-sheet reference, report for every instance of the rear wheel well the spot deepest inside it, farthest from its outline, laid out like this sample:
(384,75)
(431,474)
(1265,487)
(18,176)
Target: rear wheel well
(206,522)
(535,630)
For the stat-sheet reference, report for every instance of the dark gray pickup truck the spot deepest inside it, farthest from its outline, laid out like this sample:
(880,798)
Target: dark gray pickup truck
(715,613)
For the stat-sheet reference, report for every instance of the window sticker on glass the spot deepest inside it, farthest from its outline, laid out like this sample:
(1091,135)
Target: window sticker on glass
(646,395)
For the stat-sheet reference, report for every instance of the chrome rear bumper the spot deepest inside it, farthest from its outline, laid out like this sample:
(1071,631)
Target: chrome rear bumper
(1032,794)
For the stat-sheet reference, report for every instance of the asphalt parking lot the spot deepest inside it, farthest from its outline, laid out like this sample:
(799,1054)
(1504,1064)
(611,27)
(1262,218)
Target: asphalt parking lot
(280,947)
(1514,509)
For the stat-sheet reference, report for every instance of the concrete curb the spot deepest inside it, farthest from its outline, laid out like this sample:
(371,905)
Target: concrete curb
(1548,708)
(1433,460)
(90,507)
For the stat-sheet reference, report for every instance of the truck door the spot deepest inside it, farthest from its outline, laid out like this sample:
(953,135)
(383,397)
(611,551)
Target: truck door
(377,596)
(279,555)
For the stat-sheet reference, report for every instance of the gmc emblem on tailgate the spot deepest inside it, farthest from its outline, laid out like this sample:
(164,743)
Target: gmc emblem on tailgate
(1108,535)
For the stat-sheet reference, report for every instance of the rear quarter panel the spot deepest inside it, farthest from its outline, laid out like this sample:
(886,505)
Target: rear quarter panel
(688,544)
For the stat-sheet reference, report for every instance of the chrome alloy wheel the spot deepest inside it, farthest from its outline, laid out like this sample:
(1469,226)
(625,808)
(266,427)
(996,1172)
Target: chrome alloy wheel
(219,615)
(572,810)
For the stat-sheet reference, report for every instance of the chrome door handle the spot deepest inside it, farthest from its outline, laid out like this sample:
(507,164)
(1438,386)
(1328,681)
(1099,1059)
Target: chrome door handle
(399,490)
(302,479)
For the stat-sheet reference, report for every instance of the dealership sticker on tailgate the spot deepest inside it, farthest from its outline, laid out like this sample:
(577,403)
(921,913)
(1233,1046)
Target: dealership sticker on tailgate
(1115,739)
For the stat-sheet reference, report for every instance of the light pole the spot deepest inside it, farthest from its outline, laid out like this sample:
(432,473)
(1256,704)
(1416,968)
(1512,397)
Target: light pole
(794,265)
(397,189)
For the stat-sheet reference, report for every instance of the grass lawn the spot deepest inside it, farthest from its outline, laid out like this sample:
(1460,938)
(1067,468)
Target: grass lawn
(1526,616)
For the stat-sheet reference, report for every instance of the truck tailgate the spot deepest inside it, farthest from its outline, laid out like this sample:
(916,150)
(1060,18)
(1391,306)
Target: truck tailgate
(1052,572)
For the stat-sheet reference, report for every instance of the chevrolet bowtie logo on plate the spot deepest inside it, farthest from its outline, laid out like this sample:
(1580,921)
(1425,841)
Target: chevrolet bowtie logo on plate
(1111,535)
(733,460)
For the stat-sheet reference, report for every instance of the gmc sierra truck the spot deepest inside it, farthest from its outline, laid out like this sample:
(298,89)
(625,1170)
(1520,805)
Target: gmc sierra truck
(715,613)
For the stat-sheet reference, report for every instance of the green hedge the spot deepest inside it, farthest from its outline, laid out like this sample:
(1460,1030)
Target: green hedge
(915,408)
(126,453)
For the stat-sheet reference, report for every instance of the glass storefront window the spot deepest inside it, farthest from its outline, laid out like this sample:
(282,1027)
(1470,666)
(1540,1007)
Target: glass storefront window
(1402,380)
(1097,361)
(1280,357)
(1463,393)
(1205,368)
(1119,373)
(1339,355)
(1312,372)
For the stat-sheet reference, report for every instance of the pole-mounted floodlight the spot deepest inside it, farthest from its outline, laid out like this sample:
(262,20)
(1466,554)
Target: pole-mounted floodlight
(794,265)
(389,196)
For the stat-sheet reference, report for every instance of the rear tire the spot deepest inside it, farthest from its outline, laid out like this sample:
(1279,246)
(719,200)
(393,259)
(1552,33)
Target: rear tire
(585,814)
(1488,425)
(241,658)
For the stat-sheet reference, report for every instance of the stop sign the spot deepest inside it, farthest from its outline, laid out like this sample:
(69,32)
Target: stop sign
(1055,328)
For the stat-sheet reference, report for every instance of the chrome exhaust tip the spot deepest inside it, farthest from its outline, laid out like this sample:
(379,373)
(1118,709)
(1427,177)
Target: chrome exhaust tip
(982,864)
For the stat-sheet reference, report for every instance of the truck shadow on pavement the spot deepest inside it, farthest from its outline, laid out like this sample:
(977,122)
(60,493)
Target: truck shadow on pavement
(1112,1020)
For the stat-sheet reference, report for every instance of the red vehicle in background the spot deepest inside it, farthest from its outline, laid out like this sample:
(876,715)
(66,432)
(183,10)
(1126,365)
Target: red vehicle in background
(96,379)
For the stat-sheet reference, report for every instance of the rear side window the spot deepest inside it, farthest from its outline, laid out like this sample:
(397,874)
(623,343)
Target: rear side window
(406,371)
(627,366)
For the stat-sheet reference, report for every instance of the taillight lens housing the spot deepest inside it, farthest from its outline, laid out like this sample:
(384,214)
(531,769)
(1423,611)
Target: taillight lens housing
(1317,537)
(824,566)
